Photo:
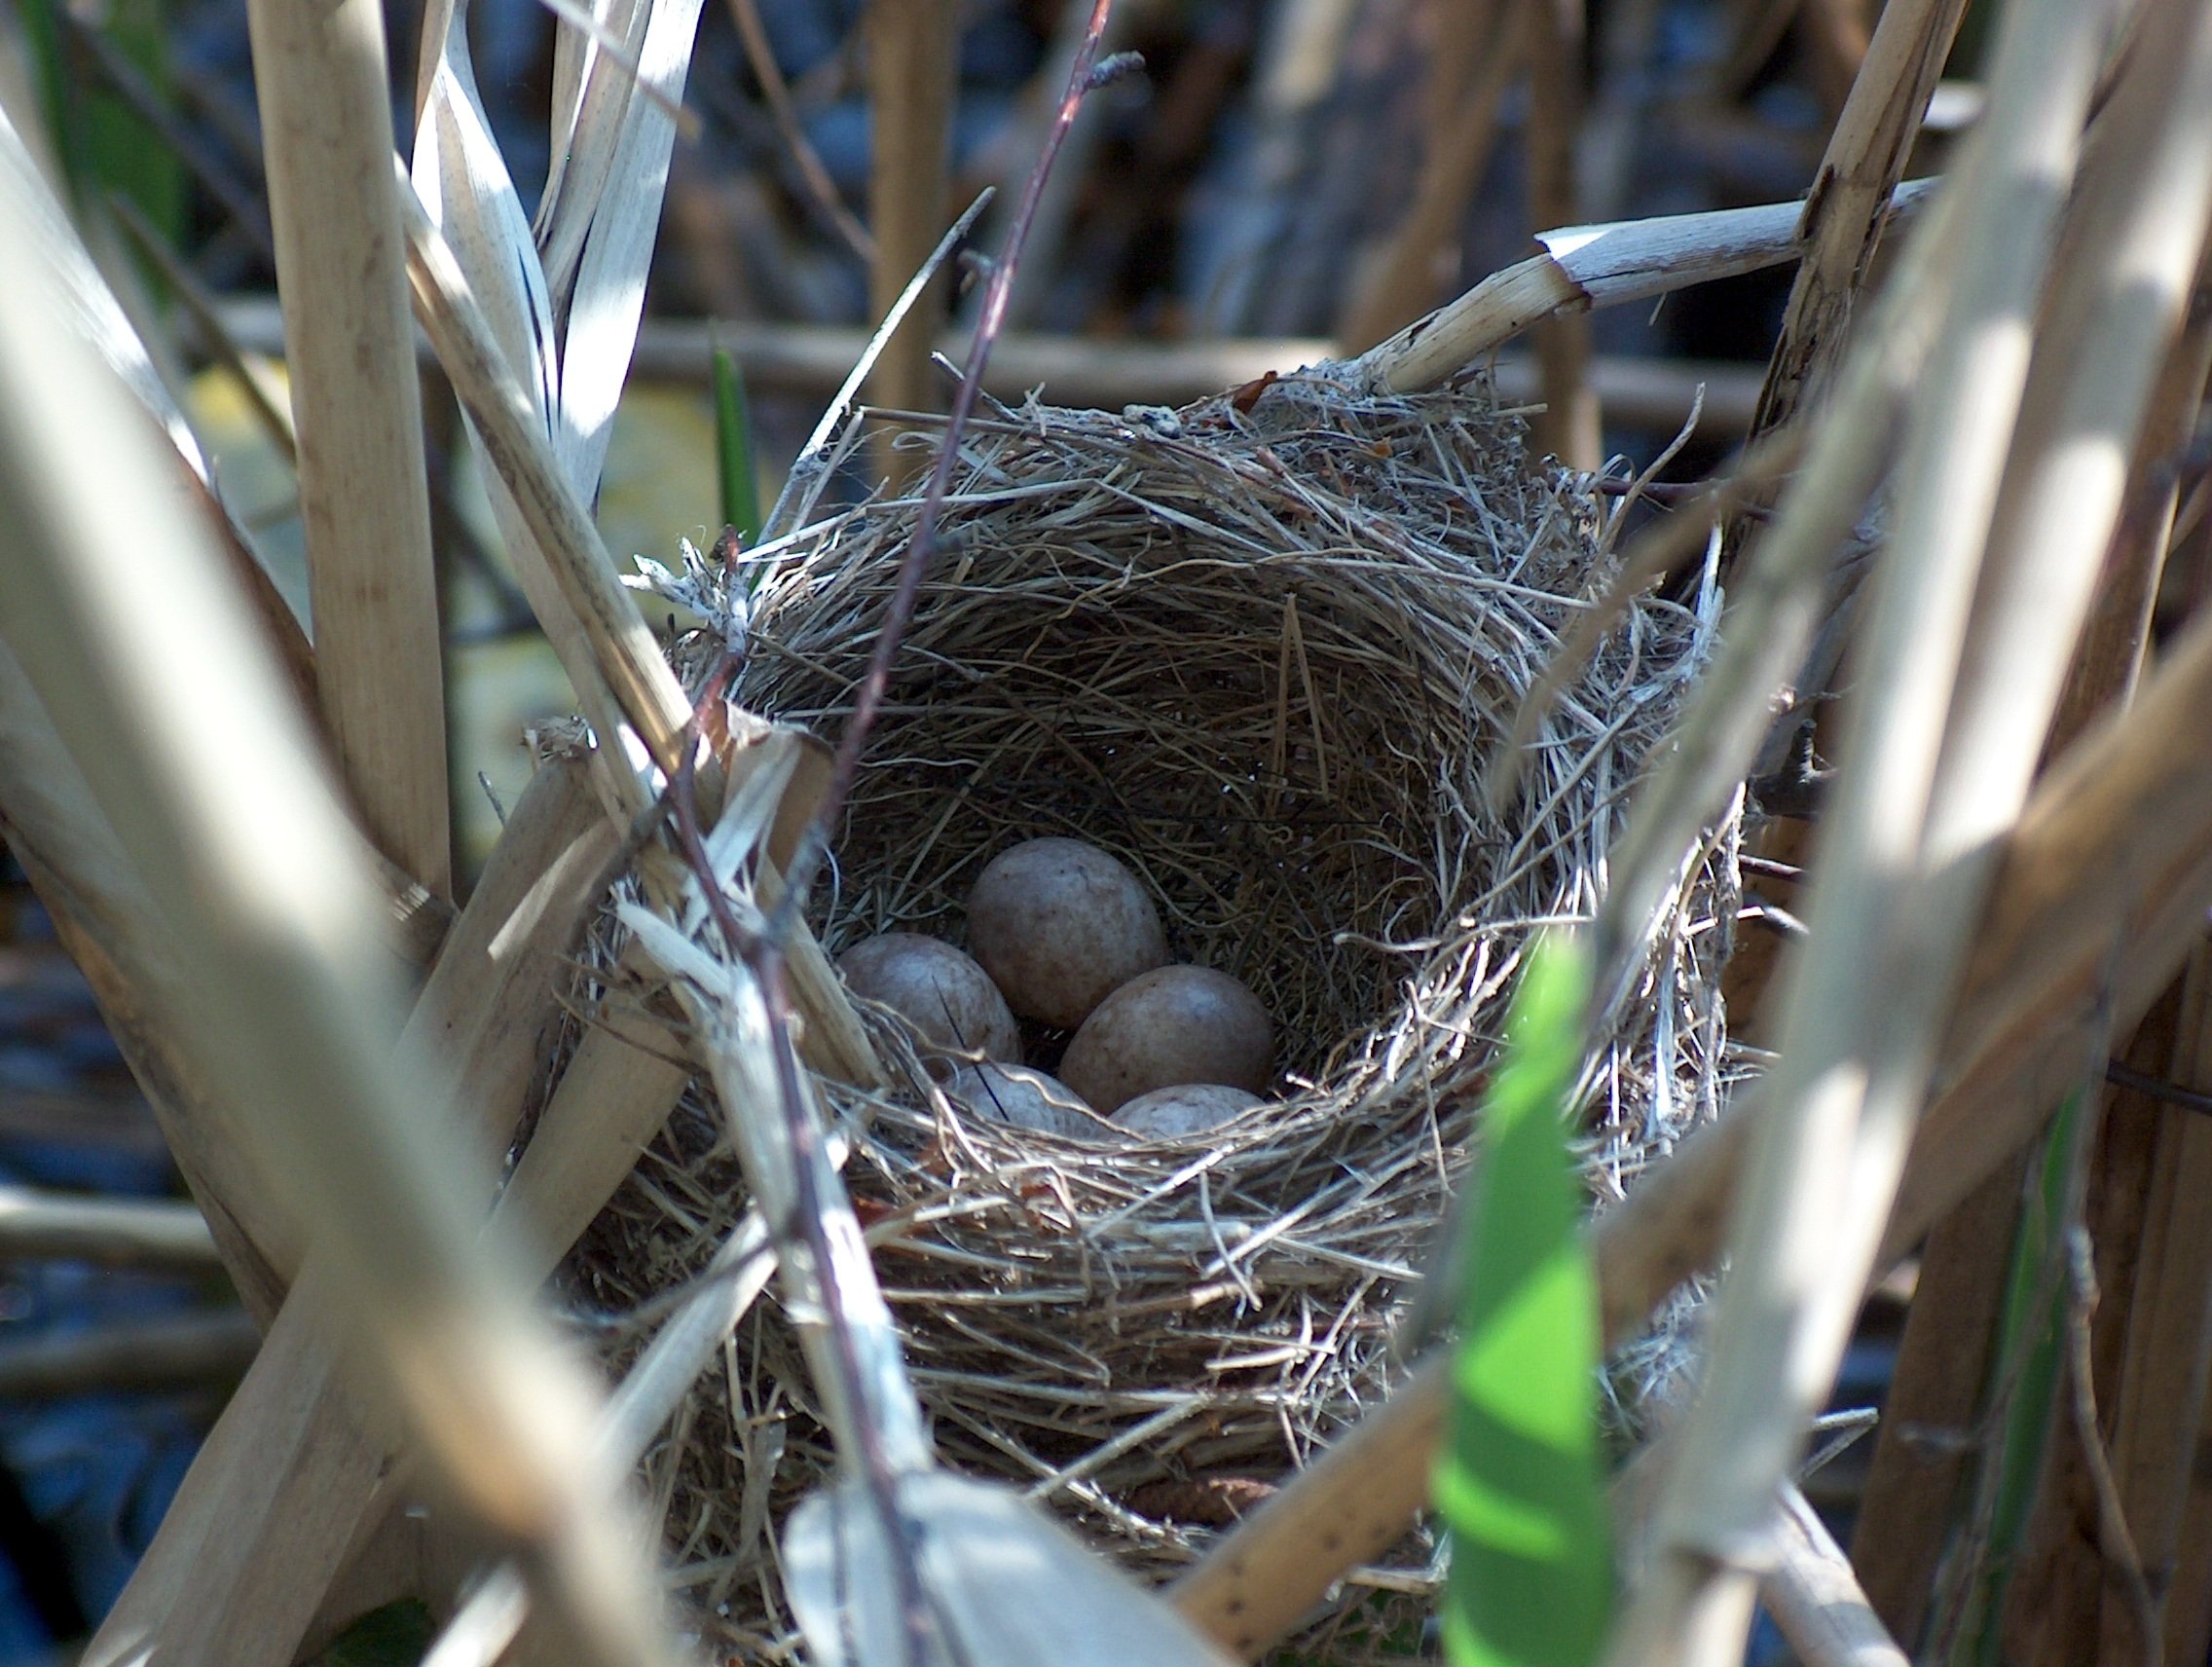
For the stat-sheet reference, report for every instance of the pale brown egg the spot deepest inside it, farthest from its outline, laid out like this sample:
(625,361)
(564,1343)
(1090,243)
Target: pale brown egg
(1026,1098)
(1187,1108)
(1179,1025)
(942,992)
(1059,925)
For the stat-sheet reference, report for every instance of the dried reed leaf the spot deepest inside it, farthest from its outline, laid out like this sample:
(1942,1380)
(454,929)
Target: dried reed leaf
(599,320)
(461,178)
(219,804)
(1894,896)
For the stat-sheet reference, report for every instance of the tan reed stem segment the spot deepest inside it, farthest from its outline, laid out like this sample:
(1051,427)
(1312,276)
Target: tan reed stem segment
(326,117)
(1584,267)
(106,922)
(1848,208)
(1896,892)
(2167,1352)
(2100,896)
(273,1502)
(1478,51)
(1906,1515)
(911,82)
(213,787)
(1776,602)
(1814,1596)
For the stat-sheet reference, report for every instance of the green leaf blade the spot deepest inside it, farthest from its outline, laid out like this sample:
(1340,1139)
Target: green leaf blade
(1521,1484)
(734,449)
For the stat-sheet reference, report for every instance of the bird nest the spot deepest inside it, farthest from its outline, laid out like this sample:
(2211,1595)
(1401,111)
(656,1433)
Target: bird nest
(1263,651)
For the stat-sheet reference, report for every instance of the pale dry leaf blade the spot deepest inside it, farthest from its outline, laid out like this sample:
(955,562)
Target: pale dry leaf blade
(1007,1584)
(461,178)
(592,95)
(609,296)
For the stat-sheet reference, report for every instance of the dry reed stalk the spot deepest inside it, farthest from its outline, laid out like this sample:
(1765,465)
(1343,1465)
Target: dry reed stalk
(1847,209)
(106,922)
(1906,1514)
(326,109)
(113,1233)
(811,359)
(1478,51)
(2168,1352)
(603,641)
(2099,897)
(1584,267)
(200,1350)
(1774,606)
(214,793)
(1899,885)
(1814,1597)
(268,1512)
(266,398)
(2040,1598)
(1922,1452)
(1569,428)
(911,74)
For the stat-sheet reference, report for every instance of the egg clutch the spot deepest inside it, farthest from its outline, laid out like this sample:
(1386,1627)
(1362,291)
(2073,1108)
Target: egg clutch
(1064,935)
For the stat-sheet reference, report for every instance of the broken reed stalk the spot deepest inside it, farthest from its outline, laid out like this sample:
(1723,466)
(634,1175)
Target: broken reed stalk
(2099,897)
(215,794)
(1584,267)
(325,105)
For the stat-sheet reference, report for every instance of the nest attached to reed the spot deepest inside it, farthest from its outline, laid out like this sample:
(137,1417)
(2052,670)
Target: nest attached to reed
(1263,651)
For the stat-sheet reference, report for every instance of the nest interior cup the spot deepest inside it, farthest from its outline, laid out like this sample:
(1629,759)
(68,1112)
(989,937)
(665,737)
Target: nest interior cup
(1264,655)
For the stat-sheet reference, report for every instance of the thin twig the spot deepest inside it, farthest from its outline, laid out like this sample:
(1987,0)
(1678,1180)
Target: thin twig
(2113,1536)
(821,190)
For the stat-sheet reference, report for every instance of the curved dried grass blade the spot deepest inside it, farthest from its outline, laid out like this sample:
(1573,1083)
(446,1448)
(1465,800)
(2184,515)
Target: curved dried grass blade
(587,115)
(599,318)
(1007,1584)
(463,180)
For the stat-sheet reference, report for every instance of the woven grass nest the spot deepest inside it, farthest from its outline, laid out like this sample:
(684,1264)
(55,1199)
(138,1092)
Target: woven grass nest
(1262,651)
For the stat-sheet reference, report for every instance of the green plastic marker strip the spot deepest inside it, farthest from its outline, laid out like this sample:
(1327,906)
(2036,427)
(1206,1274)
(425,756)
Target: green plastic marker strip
(1521,1482)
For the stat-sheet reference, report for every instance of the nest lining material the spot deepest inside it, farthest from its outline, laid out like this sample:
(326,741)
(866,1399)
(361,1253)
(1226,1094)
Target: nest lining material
(1262,658)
